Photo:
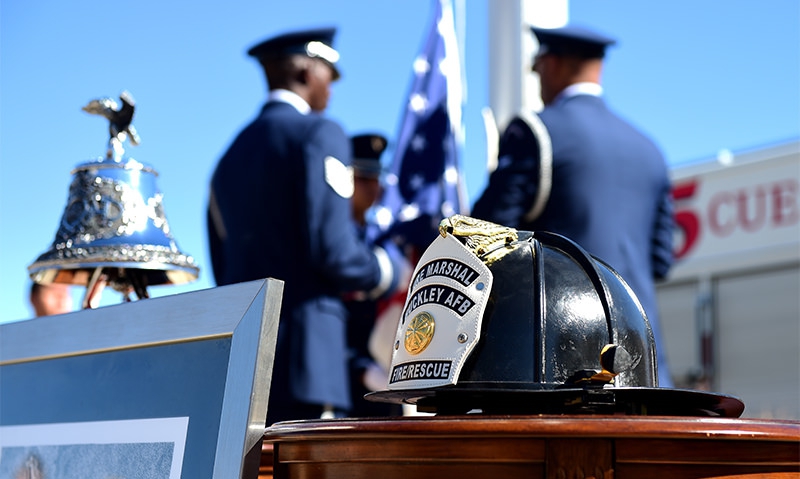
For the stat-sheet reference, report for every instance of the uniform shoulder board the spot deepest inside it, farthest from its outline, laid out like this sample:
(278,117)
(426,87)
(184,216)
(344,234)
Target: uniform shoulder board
(339,177)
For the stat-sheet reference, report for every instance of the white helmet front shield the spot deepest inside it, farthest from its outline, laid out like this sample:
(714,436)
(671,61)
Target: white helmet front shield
(441,319)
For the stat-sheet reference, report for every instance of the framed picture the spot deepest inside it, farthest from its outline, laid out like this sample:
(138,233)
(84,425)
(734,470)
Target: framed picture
(170,387)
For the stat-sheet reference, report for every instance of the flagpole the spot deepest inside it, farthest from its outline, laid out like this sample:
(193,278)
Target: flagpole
(512,85)
(457,93)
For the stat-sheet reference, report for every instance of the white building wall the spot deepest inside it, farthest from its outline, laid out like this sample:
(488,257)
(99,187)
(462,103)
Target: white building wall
(730,310)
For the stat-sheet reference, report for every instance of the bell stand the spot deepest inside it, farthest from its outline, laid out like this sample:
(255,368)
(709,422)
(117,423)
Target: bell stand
(98,281)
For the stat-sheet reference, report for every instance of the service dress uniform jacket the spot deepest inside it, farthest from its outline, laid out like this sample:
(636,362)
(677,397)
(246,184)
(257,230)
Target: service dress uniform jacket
(362,317)
(610,193)
(280,208)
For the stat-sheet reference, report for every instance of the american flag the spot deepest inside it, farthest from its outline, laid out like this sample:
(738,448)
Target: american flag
(424,182)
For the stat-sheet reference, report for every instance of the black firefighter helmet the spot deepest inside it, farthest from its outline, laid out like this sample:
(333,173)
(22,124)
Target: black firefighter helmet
(500,321)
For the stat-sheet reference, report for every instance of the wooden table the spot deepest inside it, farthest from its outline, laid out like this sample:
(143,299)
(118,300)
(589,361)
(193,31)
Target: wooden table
(533,447)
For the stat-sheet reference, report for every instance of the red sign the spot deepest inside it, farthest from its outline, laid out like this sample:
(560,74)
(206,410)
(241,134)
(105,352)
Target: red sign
(720,213)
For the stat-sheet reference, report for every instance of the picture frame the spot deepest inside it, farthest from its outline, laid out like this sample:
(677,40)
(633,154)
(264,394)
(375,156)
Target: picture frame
(172,387)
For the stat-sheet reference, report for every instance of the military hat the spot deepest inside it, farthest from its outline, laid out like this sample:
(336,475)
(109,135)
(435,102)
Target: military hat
(317,43)
(572,40)
(367,150)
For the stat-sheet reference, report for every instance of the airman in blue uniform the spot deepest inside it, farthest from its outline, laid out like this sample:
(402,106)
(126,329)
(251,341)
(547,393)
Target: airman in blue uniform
(580,170)
(366,374)
(279,207)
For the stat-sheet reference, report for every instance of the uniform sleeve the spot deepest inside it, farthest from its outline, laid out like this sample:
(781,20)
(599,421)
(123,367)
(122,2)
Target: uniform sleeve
(336,252)
(215,232)
(662,253)
(511,189)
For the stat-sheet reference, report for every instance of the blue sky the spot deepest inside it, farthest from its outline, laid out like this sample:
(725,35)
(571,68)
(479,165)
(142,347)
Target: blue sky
(698,77)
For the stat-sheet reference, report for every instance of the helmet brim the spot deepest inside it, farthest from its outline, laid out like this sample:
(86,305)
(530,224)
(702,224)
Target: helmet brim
(591,400)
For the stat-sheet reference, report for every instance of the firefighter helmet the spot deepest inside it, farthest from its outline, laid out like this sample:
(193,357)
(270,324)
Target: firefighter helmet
(504,321)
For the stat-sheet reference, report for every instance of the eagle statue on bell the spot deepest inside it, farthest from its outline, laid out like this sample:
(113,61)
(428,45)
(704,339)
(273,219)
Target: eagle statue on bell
(113,231)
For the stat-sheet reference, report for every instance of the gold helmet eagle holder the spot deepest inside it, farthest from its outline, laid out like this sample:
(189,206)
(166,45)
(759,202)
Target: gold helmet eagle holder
(113,230)
(500,321)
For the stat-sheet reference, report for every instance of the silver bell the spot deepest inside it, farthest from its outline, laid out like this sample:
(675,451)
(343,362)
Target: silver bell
(113,229)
